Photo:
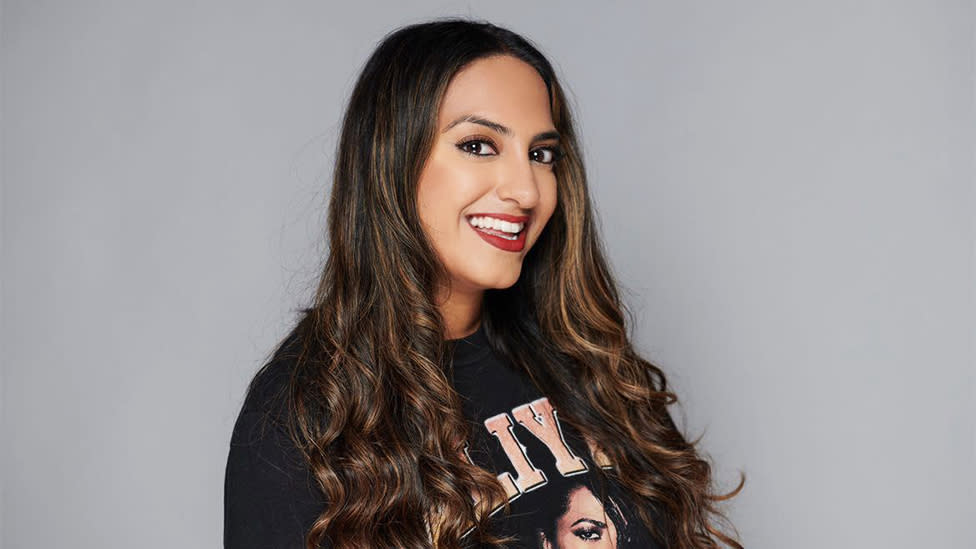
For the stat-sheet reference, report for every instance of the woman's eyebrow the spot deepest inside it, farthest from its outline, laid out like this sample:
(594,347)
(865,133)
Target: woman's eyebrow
(601,524)
(504,130)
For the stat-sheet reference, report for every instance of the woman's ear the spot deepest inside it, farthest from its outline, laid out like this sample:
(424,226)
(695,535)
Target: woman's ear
(543,541)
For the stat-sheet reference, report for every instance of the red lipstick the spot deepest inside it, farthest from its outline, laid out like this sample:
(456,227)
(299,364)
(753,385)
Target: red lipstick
(494,237)
(503,217)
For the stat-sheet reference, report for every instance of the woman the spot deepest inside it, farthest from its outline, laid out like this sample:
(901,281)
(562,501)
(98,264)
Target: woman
(466,347)
(582,520)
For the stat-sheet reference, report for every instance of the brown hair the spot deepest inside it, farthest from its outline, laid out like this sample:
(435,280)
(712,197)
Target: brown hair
(370,404)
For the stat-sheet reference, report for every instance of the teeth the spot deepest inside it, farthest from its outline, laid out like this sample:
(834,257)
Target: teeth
(485,222)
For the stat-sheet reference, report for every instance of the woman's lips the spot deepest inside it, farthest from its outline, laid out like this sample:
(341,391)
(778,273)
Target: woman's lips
(502,243)
(492,237)
(503,217)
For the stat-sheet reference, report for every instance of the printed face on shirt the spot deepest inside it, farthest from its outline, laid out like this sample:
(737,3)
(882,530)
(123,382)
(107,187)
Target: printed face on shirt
(493,154)
(585,524)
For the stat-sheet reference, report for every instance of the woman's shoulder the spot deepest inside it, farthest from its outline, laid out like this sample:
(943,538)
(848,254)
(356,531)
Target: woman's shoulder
(267,391)
(270,495)
(266,400)
(262,431)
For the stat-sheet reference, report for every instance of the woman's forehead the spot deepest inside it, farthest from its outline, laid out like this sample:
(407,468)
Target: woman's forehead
(503,89)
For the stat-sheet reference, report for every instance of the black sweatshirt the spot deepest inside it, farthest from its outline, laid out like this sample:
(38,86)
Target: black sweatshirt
(271,500)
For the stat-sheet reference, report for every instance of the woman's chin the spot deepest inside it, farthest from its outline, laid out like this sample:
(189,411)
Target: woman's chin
(501,280)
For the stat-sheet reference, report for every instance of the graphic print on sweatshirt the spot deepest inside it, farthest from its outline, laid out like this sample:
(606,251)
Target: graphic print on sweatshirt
(545,466)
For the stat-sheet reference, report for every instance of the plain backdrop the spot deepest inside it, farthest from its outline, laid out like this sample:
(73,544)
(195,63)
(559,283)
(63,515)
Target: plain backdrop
(786,191)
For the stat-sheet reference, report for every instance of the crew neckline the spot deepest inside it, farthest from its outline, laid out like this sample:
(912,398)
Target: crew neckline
(470,348)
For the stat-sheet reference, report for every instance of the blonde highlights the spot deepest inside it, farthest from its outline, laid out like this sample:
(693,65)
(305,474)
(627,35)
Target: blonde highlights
(370,403)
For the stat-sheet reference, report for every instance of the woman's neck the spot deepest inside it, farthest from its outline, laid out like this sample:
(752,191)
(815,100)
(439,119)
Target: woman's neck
(461,312)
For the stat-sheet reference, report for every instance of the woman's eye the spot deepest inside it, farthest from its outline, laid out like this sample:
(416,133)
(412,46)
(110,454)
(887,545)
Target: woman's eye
(588,534)
(476,147)
(547,155)
(483,147)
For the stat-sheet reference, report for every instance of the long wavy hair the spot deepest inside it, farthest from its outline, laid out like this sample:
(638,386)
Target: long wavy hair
(370,403)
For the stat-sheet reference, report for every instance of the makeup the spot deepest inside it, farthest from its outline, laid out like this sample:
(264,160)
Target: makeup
(504,231)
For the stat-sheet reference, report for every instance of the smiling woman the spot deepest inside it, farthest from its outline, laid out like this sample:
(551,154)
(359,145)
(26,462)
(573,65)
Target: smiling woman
(466,353)
(489,177)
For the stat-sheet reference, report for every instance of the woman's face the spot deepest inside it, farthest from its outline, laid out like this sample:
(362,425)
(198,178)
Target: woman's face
(584,524)
(491,164)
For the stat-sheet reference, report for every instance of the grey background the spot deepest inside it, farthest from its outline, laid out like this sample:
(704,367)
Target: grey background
(786,190)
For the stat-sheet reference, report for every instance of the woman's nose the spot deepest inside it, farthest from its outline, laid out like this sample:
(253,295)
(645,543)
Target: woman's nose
(517,182)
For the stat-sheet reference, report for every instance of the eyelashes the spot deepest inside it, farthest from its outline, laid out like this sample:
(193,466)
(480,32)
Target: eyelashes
(589,533)
(555,152)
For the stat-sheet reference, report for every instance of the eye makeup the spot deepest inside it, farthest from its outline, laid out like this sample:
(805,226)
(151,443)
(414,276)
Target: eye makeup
(555,150)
